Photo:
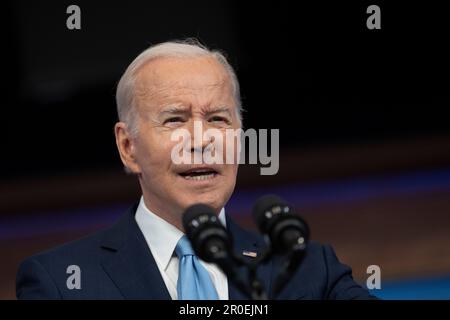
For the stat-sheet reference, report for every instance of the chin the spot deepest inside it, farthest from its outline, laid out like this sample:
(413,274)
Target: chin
(214,201)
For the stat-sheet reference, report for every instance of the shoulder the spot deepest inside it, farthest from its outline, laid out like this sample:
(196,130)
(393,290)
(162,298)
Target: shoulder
(86,248)
(44,274)
(41,275)
(323,276)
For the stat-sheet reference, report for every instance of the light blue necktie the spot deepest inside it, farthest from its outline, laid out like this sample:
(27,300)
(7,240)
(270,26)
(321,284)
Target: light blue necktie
(194,282)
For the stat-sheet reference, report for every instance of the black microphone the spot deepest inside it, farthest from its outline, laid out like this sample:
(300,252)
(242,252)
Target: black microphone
(288,234)
(275,218)
(209,238)
(211,242)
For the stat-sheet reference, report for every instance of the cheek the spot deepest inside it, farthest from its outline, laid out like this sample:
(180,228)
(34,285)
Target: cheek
(155,151)
(231,149)
(233,168)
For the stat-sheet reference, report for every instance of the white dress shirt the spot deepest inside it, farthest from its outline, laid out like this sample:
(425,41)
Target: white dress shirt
(162,238)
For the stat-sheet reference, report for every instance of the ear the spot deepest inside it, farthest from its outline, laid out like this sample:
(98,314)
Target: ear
(126,146)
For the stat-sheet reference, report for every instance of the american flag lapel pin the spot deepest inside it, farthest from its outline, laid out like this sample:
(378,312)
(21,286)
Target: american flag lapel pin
(249,254)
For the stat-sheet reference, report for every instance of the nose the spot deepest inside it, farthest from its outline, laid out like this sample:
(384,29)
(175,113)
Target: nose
(198,140)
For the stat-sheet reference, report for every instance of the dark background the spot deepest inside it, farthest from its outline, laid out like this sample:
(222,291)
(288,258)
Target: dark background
(314,71)
(363,118)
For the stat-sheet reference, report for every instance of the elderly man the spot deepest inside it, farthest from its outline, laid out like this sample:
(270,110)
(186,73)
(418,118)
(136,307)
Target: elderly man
(169,87)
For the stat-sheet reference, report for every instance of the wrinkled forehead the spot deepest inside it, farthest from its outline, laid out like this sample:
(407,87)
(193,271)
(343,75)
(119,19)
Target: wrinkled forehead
(168,78)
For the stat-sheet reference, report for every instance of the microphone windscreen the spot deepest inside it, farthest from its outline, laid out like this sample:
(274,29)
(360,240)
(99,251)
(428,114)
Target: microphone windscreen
(264,204)
(194,212)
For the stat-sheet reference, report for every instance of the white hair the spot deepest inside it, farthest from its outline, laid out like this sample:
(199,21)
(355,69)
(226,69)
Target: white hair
(125,97)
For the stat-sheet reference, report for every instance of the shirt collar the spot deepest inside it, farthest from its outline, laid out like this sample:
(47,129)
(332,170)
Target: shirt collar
(161,236)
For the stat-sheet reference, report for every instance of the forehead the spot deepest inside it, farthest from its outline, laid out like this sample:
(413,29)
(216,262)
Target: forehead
(174,78)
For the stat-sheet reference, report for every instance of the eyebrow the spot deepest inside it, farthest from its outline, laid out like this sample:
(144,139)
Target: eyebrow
(218,109)
(174,108)
(178,108)
(213,110)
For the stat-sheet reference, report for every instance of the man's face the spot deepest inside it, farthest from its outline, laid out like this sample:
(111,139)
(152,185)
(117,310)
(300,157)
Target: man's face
(171,94)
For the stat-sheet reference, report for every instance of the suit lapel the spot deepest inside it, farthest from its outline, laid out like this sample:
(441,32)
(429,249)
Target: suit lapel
(130,263)
(246,241)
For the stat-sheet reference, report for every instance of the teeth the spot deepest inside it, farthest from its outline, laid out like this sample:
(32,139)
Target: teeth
(200,177)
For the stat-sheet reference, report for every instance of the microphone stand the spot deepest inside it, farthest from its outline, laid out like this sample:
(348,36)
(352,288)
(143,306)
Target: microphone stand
(224,263)
(254,289)
(294,259)
(258,290)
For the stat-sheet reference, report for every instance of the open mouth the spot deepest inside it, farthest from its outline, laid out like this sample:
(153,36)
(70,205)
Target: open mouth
(199,174)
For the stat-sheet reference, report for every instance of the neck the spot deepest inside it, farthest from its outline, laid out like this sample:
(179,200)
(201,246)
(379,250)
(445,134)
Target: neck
(163,213)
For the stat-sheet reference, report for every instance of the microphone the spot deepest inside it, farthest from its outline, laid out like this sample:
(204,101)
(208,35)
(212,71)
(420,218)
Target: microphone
(288,234)
(209,238)
(275,218)
(211,242)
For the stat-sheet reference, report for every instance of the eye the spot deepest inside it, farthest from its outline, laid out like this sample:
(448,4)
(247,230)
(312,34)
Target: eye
(219,119)
(173,120)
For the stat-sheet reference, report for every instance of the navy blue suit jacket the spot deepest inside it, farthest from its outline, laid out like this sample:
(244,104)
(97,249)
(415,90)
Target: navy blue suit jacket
(117,264)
